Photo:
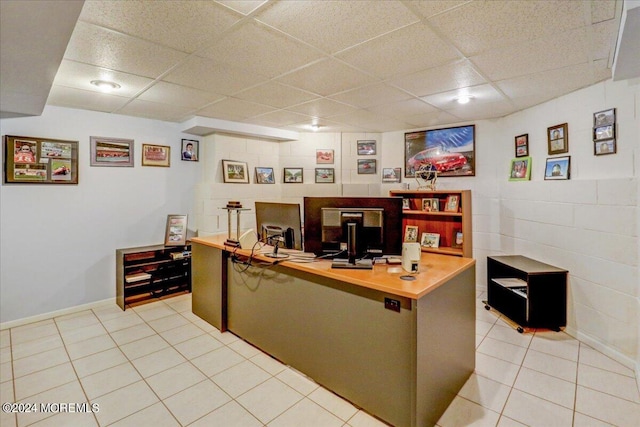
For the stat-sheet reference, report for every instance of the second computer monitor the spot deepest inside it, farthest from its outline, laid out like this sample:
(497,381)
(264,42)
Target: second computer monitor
(279,220)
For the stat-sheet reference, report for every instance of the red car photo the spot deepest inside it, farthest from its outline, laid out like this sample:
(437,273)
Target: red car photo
(442,160)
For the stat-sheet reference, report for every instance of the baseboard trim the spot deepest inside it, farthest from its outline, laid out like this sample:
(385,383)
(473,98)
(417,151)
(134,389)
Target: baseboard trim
(57,313)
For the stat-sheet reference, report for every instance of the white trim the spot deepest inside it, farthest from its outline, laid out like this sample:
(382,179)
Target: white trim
(52,314)
(603,348)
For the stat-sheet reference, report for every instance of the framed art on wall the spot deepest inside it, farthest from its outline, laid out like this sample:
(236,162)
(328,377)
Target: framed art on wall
(391,174)
(324,156)
(608,146)
(156,155)
(325,175)
(265,176)
(111,152)
(366,147)
(450,150)
(522,145)
(293,176)
(366,166)
(234,172)
(558,168)
(31,160)
(558,139)
(189,150)
(520,169)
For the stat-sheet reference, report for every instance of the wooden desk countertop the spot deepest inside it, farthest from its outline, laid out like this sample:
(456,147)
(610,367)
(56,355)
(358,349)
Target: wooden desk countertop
(434,270)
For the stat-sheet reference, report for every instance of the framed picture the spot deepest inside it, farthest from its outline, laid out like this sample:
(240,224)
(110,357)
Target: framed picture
(190,150)
(325,175)
(366,147)
(410,233)
(456,239)
(520,169)
(176,232)
(435,205)
(31,160)
(156,155)
(558,168)
(111,152)
(430,240)
(558,139)
(604,132)
(391,174)
(522,145)
(235,172)
(450,150)
(406,204)
(608,146)
(265,176)
(603,118)
(324,156)
(426,205)
(293,176)
(452,203)
(366,166)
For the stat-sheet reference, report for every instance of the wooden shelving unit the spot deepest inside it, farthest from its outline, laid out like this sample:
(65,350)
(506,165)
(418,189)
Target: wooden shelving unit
(446,224)
(151,271)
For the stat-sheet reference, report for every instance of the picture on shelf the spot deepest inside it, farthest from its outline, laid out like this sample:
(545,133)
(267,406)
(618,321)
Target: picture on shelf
(557,168)
(265,176)
(608,146)
(406,203)
(176,230)
(111,152)
(324,156)
(410,233)
(235,172)
(325,175)
(456,239)
(426,205)
(430,240)
(520,169)
(293,175)
(190,150)
(558,139)
(451,205)
(522,145)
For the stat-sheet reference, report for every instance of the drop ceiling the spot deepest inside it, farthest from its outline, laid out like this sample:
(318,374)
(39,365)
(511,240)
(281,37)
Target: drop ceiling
(349,66)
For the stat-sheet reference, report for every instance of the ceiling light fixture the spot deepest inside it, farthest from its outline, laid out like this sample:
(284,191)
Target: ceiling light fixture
(464,99)
(315,127)
(105,85)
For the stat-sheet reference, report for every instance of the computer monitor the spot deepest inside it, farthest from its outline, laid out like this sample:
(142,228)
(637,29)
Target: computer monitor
(279,220)
(378,225)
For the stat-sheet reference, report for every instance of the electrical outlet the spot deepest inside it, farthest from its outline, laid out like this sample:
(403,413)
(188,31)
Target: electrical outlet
(392,304)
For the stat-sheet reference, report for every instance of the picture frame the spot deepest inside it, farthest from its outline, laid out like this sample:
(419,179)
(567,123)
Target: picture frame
(604,132)
(558,139)
(522,145)
(391,174)
(189,151)
(265,176)
(607,146)
(235,172)
(452,203)
(435,205)
(426,205)
(430,240)
(558,168)
(325,175)
(324,155)
(457,239)
(156,155)
(111,152)
(176,230)
(520,169)
(366,147)
(406,203)
(605,117)
(411,234)
(34,160)
(293,175)
(366,166)
(451,150)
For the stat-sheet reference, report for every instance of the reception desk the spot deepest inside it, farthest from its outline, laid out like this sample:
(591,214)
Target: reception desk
(401,350)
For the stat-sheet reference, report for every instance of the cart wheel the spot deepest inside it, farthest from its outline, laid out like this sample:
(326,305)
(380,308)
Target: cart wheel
(486,307)
(520,330)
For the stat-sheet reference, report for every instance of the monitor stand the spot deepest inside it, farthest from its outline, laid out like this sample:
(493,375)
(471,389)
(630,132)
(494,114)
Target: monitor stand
(363,264)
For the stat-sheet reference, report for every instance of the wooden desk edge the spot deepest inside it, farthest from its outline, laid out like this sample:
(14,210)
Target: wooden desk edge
(435,270)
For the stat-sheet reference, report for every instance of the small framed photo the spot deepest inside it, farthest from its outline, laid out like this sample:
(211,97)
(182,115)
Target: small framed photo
(176,231)
(325,175)
(520,169)
(235,172)
(558,168)
(265,176)
(293,176)
(603,118)
(411,234)
(324,155)
(430,240)
(452,203)
(608,146)
(366,166)
(406,204)
(366,147)
(189,150)
(435,205)
(604,132)
(156,155)
(558,139)
(456,239)
(522,145)
(426,205)
(391,174)
(111,152)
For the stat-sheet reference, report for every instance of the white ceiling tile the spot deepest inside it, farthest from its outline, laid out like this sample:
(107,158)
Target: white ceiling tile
(368,96)
(212,76)
(603,40)
(416,47)
(479,26)
(479,111)
(410,107)
(276,95)
(185,25)
(154,110)
(322,108)
(85,99)
(170,93)
(109,49)
(326,78)
(481,94)
(237,108)
(427,9)
(439,79)
(79,76)
(243,6)
(602,10)
(285,118)
(260,49)
(431,119)
(335,25)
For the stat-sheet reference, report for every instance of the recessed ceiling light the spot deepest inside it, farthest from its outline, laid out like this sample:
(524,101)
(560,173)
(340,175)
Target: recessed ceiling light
(105,85)
(464,99)
(315,127)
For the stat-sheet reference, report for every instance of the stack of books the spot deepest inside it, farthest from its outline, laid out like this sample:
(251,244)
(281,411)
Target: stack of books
(233,204)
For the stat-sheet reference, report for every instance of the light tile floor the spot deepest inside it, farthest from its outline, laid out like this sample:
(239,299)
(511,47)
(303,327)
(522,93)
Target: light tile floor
(159,365)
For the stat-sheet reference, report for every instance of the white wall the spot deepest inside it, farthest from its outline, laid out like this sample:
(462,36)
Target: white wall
(59,241)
